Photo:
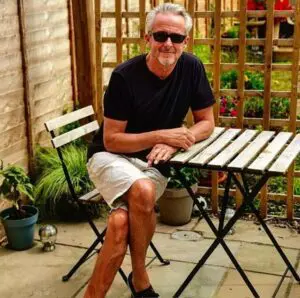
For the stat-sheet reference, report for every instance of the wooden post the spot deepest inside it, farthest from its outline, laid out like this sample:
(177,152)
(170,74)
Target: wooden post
(241,81)
(119,41)
(142,5)
(293,110)
(267,90)
(217,59)
(84,29)
(73,53)
(99,65)
(27,88)
(217,64)
(206,20)
(127,30)
(241,61)
(191,11)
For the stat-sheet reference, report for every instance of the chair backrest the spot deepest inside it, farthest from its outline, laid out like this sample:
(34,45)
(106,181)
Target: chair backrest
(60,140)
(65,138)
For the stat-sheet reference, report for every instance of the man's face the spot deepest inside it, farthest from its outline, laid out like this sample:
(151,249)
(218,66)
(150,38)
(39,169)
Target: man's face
(167,52)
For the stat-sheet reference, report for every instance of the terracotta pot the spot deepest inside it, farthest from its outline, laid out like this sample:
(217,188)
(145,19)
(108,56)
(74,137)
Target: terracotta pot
(176,206)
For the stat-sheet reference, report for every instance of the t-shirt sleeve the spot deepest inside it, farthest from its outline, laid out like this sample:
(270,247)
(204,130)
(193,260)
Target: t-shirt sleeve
(202,95)
(117,98)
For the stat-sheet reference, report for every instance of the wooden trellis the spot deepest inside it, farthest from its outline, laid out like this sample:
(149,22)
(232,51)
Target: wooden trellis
(222,10)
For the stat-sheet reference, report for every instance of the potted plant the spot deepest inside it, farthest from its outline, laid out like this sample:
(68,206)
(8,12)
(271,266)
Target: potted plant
(18,220)
(176,205)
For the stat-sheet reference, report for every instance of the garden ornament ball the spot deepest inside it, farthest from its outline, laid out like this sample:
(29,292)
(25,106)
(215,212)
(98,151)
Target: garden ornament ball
(47,235)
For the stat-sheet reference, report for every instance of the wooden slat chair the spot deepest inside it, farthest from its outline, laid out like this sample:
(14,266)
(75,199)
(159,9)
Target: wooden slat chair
(58,142)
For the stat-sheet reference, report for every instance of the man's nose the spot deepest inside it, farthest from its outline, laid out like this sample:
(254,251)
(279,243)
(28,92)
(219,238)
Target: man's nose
(168,42)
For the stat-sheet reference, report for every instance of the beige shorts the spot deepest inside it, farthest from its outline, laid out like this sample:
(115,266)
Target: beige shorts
(113,174)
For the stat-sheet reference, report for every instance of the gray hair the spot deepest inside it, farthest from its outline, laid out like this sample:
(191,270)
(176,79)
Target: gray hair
(172,8)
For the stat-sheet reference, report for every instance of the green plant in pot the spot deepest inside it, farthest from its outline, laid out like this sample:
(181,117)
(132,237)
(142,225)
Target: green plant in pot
(176,205)
(18,220)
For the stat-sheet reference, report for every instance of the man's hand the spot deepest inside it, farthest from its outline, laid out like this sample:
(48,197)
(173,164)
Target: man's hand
(160,153)
(181,137)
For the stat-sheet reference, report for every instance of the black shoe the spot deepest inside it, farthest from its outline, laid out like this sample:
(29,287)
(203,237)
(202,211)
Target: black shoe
(149,292)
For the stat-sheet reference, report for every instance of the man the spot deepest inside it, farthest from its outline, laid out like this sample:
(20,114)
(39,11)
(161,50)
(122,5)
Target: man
(144,108)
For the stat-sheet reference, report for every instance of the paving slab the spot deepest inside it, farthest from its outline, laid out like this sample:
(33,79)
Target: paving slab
(264,259)
(204,228)
(34,273)
(248,231)
(166,280)
(163,228)
(234,286)
(191,251)
(295,290)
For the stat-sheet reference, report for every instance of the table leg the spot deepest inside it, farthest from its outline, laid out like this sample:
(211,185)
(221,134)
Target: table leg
(220,234)
(224,202)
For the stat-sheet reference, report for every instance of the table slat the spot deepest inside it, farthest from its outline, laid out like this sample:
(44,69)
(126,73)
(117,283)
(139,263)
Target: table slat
(235,147)
(285,159)
(268,155)
(249,153)
(213,149)
(183,157)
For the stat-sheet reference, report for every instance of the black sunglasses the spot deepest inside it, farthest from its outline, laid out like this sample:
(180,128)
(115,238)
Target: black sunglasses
(162,36)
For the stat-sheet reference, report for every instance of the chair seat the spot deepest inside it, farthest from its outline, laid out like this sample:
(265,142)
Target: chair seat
(91,197)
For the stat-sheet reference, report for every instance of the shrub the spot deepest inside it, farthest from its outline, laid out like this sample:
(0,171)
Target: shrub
(52,192)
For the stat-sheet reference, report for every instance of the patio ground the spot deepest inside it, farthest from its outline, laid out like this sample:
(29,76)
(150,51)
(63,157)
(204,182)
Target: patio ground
(33,273)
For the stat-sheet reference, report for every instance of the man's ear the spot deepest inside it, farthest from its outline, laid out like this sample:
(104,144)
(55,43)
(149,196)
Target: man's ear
(186,40)
(147,37)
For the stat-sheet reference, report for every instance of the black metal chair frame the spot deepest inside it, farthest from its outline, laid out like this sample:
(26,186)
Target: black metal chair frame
(249,193)
(99,235)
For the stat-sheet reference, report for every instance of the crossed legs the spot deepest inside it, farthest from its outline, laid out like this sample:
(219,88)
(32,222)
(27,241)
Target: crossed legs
(136,228)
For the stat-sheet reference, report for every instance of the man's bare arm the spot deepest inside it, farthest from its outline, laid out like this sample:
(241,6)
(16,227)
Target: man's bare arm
(118,141)
(202,129)
(204,123)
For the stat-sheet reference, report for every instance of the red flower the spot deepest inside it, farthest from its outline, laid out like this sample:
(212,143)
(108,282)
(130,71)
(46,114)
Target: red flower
(233,113)
(222,110)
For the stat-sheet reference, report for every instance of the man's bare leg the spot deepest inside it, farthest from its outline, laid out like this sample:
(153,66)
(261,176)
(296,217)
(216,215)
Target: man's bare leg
(142,220)
(110,256)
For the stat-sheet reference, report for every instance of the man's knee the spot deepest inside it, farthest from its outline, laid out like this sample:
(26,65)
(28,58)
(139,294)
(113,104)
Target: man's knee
(141,196)
(118,224)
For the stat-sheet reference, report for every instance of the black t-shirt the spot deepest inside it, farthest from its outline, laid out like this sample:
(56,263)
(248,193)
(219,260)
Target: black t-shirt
(148,103)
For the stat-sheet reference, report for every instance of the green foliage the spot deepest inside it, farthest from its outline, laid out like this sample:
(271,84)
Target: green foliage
(203,52)
(280,108)
(281,80)
(254,80)
(229,54)
(297,186)
(254,107)
(69,127)
(277,184)
(51,185)
(130,51)
(15,182)
(191,175)
(229,79)
(232,32)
